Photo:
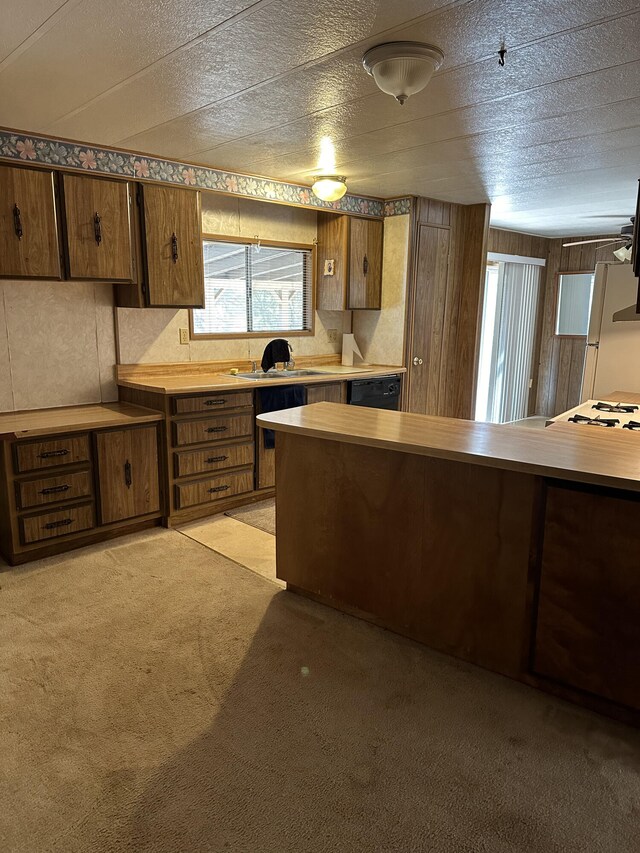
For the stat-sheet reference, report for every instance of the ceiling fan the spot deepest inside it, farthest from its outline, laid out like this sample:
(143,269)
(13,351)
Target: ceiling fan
(626,237)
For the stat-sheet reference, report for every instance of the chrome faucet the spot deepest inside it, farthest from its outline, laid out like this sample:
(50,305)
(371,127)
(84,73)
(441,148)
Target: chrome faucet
(254,366)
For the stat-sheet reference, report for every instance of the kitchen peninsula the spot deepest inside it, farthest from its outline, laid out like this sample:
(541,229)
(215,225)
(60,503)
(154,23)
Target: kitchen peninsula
(514,549)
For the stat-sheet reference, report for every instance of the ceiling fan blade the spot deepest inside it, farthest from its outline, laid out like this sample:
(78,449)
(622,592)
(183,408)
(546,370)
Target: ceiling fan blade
(584,242)
(606,246)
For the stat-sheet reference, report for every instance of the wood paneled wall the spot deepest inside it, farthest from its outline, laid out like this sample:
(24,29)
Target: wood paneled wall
(562,358)
(445,291)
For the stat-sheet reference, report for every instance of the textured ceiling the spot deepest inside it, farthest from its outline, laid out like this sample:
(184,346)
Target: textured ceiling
(552,139)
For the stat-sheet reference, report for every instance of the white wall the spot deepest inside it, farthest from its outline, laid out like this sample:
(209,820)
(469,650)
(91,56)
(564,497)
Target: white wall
(151,335)
(57,344)
(380,334)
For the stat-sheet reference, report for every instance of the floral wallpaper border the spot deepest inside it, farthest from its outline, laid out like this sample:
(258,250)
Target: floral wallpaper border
(31,148)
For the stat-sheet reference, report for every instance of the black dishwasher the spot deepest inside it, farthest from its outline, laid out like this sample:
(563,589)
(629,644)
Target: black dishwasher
(381,392)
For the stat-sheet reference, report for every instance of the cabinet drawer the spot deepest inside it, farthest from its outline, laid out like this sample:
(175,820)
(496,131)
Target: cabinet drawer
(211,402)
(61,487)
(213,429)
(190,462)
(59,522)
(214,488)
(32,455)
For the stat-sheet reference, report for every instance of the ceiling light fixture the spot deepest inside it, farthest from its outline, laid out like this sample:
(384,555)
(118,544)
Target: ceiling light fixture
(327,185)
(402,68)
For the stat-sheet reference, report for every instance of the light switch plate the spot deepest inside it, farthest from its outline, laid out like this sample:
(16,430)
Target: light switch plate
(330,267)
(184,336)
(332,335)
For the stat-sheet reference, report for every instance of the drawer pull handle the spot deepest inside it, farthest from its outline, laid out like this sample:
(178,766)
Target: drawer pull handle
(174,248)
(218,488)
(97,228)
(212,459)
(64,522)
(214,402)
(17,222)
(216,429)
(52,490)
(49,454)
(127,474)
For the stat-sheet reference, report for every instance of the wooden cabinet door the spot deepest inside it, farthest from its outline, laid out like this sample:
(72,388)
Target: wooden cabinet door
(587,630)
(28,228)
(365,263)
(98,228)
(127,473)
(327,392)
(173,243)
(332,262)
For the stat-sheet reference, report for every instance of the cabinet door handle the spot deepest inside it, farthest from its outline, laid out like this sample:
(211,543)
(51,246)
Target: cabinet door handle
(97,228)
(52,490)
(64,522)
(218,488)
(365,265)
(17,222)
(215,429)
(174,248)
(214,402)
(212,459)
(48,454)
(127,474)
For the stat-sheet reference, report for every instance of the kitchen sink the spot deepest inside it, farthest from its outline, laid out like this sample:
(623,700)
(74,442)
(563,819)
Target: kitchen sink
(278,374)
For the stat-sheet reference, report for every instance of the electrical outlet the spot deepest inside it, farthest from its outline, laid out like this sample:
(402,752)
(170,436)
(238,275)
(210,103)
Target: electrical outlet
(184,336)
(332,334)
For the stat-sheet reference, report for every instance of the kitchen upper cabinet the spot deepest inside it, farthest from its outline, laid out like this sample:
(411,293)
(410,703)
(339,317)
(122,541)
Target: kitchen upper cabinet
(173,247)
(28,227)
(365,264)
(349,262)
(127,473)
(98,228)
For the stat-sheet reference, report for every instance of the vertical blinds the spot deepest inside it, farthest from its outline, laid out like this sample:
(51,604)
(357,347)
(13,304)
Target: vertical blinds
(251,288)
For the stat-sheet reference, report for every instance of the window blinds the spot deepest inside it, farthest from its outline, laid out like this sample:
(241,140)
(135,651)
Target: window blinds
(254,289)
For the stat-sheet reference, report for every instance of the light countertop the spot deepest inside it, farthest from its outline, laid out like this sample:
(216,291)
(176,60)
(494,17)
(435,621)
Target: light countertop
(37,422)
(179,383)
(570,454)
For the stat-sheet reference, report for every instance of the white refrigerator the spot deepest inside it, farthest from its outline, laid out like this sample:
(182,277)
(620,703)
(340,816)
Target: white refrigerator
(612,361)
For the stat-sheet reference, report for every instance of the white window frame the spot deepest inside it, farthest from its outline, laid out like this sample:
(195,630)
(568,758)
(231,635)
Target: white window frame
(276,244)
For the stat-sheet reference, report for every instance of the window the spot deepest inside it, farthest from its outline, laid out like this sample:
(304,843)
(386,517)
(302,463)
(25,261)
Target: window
(255,289)
(575,291)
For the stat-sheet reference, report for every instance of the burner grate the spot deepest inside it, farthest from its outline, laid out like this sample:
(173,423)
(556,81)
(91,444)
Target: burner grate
(603,422)
(632,425)
(622,408)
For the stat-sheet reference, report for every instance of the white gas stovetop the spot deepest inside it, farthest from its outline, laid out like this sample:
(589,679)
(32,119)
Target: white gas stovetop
(603,414)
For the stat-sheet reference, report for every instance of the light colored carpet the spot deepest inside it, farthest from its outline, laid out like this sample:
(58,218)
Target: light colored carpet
(261,515)
(155,697)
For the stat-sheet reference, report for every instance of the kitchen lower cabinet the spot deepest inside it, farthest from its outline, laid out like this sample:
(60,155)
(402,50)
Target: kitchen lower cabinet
(587,632)
(327,392)
(128,473)
(62,489)
(28,224)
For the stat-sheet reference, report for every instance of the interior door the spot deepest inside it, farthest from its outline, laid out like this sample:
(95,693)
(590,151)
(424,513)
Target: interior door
(98,227)
(432,265)
(127,473)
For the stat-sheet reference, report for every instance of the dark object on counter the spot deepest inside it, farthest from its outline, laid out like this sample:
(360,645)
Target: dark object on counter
(275,351)
(276,399)
(380,393)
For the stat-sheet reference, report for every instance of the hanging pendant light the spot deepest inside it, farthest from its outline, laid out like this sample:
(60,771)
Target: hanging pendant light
(402,68)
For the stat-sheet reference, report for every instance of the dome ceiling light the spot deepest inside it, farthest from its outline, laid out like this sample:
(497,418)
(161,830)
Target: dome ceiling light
(402,68)
(327,185)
